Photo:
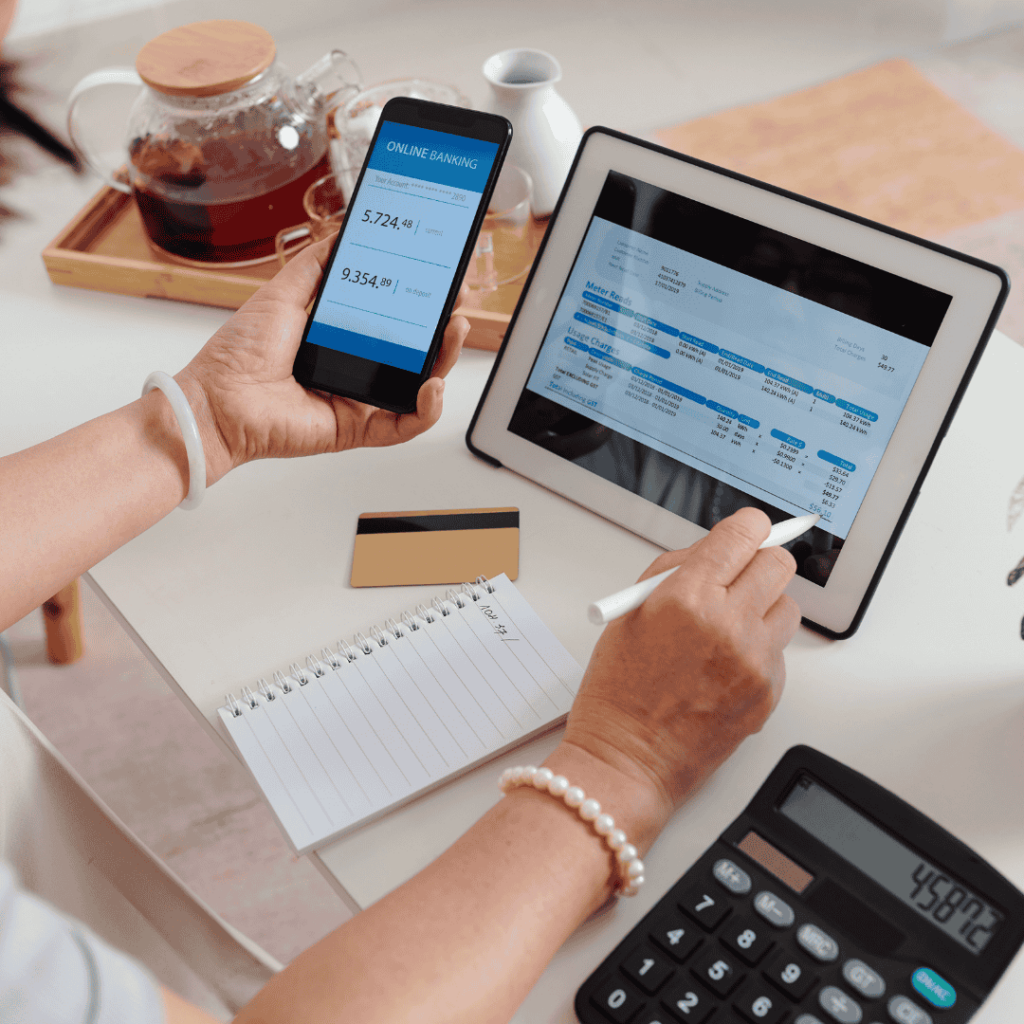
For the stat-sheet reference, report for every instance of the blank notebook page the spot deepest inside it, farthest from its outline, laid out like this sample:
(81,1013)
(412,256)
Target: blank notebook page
(418,702)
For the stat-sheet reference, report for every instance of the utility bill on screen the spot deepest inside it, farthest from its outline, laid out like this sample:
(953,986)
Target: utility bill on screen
(785,398)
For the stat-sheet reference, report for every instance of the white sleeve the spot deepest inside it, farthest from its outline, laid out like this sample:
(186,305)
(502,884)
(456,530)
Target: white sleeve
(55,971)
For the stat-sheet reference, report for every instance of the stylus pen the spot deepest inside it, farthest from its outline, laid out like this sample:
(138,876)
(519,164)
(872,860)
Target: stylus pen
(615,605)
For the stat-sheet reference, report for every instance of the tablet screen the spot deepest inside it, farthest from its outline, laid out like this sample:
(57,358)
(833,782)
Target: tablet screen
(705,363)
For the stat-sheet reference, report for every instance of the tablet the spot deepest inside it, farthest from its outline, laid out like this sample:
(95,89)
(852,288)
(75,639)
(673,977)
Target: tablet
(691,341)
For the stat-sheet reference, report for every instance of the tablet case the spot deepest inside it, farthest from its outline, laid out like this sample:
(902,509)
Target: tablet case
(925,243)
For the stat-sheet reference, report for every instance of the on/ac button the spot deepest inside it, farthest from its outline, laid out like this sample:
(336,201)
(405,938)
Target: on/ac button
(934,988)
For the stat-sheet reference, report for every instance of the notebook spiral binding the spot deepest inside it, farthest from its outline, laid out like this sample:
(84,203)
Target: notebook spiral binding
(345,652)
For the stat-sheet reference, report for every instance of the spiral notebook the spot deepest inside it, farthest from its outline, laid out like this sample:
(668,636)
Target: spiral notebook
(363,729)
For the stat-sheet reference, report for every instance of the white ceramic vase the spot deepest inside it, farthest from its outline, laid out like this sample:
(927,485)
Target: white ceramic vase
(545,131)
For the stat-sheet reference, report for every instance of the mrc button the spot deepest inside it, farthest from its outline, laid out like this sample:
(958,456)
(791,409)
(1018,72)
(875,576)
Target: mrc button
(821,946)
(935,989)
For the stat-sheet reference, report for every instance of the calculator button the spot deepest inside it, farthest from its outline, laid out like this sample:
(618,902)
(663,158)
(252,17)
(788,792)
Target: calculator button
(793,974)
(688,1001)
(866,981)
(617,1001)
(934,988)
(760,1004)
(718,971)
(839,1006)
(903,1011)
(821,946)
(748,939)
(676,935)
(733,878)
(774,910)
(707,908)
(650,970)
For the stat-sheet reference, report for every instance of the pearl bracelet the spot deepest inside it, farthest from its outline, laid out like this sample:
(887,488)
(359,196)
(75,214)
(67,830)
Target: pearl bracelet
(631,867)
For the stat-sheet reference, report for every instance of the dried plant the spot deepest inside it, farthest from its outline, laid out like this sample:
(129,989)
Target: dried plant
(1013,513)
(15,121)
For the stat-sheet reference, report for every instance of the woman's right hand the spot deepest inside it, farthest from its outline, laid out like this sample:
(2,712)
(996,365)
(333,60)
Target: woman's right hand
(675,686)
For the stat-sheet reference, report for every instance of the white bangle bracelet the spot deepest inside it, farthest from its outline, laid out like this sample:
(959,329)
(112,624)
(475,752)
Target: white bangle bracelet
(631,867)
(189,431)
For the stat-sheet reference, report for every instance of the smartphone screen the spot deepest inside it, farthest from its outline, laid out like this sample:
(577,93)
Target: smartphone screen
(393,277)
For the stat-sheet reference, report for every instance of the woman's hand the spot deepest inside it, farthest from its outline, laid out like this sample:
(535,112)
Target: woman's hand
(248,404)
(675,686)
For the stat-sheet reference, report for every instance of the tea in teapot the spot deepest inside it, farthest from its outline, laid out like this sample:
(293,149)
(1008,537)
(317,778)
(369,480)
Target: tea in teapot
(222,143)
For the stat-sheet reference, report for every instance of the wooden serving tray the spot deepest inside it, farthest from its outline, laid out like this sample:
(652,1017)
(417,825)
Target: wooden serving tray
(105,248)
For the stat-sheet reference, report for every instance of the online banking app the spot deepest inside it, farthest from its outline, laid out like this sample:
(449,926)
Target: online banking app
(406,229)
(707,363)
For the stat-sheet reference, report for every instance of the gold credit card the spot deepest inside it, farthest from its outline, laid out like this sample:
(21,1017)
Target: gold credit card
(440,546)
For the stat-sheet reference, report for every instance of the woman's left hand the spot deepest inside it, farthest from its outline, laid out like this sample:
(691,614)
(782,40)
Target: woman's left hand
(248,404)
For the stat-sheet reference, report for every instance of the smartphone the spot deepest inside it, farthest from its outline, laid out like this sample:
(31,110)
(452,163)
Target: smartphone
(392,280)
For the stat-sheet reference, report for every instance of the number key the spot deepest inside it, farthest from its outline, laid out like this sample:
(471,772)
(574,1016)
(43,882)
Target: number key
(676,935)
(792,973)
(650,970)
(688,1001)
(617,1001)
(748,939)
(759,1004)
(704,905)
(717,970)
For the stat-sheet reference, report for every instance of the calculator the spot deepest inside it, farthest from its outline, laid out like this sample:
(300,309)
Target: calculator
(827,901)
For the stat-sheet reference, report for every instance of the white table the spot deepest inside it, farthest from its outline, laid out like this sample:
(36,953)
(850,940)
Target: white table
(926,698)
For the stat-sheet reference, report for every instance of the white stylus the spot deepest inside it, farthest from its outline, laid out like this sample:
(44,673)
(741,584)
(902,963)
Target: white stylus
(615,605)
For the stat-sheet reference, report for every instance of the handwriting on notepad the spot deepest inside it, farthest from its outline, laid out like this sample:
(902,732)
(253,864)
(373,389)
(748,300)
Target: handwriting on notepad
(499,627)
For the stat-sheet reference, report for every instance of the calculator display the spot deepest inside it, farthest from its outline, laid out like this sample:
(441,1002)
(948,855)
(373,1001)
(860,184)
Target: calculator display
(931,892)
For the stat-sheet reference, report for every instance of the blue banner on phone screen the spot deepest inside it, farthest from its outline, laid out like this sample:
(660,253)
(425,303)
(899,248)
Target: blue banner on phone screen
(407,226)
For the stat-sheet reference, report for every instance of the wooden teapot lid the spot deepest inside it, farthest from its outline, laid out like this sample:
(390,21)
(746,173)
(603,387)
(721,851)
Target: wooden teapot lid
(205,58)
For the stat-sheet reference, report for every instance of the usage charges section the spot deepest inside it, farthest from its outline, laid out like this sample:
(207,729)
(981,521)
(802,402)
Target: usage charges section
(405,232)
(787,399)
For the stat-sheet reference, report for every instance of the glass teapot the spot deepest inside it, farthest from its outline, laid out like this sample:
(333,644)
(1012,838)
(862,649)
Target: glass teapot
(222,143)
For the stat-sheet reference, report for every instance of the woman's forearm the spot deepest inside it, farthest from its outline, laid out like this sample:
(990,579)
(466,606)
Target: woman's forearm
(70,501)
(465,939)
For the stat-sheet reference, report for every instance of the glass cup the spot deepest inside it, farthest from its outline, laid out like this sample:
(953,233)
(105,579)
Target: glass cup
(324,205)
(503,252)
(352,125)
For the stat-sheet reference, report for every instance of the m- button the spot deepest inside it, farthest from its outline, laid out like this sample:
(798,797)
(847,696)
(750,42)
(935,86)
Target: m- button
(774,910)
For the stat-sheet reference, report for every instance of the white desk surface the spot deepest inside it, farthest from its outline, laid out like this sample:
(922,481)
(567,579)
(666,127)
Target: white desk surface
(928,697)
